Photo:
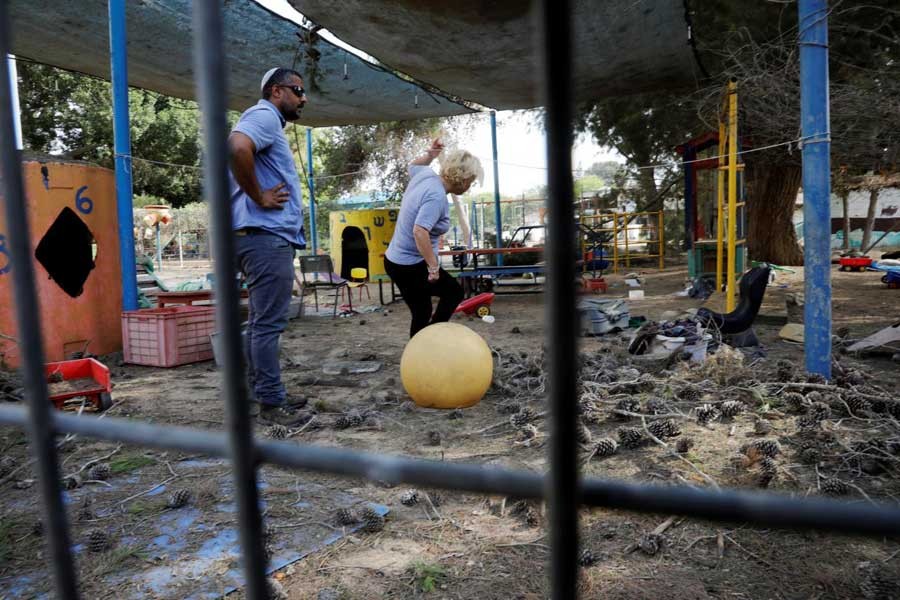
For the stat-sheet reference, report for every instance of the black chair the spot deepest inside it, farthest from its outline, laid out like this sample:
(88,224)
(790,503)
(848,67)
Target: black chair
(317,272)
(752,289)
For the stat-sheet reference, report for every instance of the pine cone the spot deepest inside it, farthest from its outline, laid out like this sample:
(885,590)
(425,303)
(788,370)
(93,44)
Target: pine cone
(345,516)
(656,406)
(98,541)
(523,417)
(807,424)
(179,498)
(684,445)
(768,470)
(784,371)
(834,487)
(762,427)
(650,543)
(606,447)
(731,408)
(277,432)
(372,521)
(99,472)
(72,482)
(582,434)
(434,438)
(706,413)
(7,465)
(343,422)
(631,437)
(631,405)
(794,402)
(819,411)
(857,404)
(664,428)
(587,558)
(816,378)
(409,498)
(689,394)
(456,413)
(274,590)
(762,448)
(809,456)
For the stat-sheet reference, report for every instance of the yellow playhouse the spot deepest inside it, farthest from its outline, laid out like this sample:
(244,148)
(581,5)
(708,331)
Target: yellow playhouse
(359,238)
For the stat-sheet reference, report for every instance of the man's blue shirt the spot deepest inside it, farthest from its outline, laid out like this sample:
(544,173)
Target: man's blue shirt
(274,164)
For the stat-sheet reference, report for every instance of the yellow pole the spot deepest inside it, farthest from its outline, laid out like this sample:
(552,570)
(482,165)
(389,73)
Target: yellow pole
(732,191)
(627,251)
(615,243)
(662,246)
(720,211)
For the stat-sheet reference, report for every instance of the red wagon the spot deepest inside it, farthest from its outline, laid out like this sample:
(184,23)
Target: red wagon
(479,305)
(855,263)
(81,378)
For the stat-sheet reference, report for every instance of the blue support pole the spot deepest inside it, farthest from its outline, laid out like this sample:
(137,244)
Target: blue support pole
(496,187)
(312,191)
(122,140)
(815,128)
(14,94)
(473,225)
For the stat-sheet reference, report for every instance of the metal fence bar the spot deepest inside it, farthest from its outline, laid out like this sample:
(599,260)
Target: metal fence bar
(765,509)
(211,74)
(562,481)
(40,432)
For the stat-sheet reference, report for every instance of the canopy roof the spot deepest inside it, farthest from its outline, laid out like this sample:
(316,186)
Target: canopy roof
(484,50)
(75,36)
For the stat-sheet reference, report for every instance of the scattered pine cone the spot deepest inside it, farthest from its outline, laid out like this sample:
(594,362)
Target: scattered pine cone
(731,408)
(656,406)
(834,487)
(664,428)
(456,413)
(650,543)
(72,482)
(684,445)
(372,521)
(523,417)
(527,432)
(762,427)
(631,437)
(795,402)
(877,583)
(689,394)
(631,405)
(784,371)
(345,516)
(98,541)
(807,424)
(278,432)
(762,448)
(819,411)
(179,498)
(768,470)
(706,413)
(434,438)
(809,456)
(409,498)
(583,434)
(817,378)
(99,472)
(587,558)
(7,465)
(342,422)
(857,404)
(606,447)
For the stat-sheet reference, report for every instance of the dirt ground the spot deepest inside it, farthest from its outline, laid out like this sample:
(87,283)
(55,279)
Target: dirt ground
(458,545)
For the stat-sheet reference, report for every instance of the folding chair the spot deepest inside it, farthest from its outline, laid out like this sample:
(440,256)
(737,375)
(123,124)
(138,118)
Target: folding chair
(358,279)
(318,272)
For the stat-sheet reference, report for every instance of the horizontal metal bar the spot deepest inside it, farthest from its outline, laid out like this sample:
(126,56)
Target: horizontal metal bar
(767,509)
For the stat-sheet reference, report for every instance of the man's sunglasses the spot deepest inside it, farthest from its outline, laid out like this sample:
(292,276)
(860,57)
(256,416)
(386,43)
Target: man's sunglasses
(298,91)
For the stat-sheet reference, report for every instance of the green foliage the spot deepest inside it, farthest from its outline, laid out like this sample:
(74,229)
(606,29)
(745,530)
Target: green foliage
(128,463)
(428,576)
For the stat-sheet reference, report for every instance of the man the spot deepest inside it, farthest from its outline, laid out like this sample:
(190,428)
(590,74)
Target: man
(267,212)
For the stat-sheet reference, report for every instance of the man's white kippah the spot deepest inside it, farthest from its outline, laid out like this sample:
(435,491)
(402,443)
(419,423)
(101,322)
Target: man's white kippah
(266,77)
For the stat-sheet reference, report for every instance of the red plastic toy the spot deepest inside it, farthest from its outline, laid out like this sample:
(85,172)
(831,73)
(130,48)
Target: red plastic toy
(855,263)
(479,305)
(76,378)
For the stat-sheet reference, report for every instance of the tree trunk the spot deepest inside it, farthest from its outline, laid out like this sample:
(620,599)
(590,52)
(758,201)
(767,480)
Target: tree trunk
(772,196)
(870,219)
(845,204)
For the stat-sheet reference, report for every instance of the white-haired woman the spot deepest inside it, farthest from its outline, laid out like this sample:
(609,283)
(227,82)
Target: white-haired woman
(411,259)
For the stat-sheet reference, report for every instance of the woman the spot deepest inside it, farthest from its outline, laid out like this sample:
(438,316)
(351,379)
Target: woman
(411,259)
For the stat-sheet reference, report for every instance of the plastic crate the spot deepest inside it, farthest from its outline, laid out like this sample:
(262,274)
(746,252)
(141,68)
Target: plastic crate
(168,337)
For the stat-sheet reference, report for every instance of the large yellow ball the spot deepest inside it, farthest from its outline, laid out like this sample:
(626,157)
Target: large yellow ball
(446,365)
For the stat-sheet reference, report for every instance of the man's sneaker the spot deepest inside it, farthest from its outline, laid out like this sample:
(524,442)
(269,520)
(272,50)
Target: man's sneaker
(295,401)
(281,415)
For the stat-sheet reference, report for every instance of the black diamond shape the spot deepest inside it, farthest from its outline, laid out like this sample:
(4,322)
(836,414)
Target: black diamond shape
(66,251)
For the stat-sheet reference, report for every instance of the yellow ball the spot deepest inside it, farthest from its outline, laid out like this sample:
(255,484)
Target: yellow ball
(446,365)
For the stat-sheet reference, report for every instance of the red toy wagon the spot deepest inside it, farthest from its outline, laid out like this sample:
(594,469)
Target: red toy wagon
(479,305)
(82,378)
(855,263)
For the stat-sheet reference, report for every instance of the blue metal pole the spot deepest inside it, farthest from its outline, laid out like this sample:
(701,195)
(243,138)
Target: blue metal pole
(122,139)
(473,225)
(14,94)
(496,187)
(815,128)
(312,191)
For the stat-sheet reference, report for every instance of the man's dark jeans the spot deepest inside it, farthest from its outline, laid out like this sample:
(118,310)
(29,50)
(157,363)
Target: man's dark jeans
(267,262)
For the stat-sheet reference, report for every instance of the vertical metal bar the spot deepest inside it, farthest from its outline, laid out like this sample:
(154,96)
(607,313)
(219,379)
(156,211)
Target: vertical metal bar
(122,141)
(211,74)
(496,186)
(730,276)
(40,432)
(615,221)
(473,230)
(14,95)
(690,197)
(662,241)
(720,209)
(815,128)
(627,224)
(158,248)
(312,191)
(562,493)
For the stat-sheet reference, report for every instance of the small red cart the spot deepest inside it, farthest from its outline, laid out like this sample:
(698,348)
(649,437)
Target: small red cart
(855,263)
(81,378)
(479,305)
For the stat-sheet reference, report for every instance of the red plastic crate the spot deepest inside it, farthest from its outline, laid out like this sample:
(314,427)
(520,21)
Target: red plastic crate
(168,337)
